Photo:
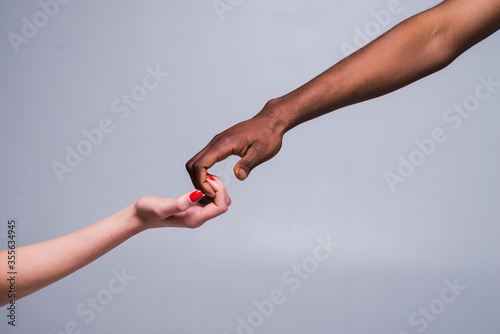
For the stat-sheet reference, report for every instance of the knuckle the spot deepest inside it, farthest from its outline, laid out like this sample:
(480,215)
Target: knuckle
(215,138)
(245,164)
(196,165)
(224,208)
(226,140)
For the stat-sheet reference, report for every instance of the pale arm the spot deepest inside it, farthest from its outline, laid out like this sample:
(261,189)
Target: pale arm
(46,262)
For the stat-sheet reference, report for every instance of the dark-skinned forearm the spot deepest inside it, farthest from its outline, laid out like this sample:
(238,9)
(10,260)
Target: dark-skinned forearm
(417,47)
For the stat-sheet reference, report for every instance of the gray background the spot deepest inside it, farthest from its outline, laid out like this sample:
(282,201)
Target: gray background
(396,249)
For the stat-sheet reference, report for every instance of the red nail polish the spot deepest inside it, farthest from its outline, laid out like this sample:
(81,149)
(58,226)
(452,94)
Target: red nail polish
(210,177)
(195,196)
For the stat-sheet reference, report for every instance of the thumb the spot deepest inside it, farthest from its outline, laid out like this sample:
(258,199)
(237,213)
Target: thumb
(250,160)
(181,203)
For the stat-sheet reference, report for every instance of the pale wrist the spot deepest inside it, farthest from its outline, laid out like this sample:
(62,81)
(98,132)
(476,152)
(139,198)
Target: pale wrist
(132,222)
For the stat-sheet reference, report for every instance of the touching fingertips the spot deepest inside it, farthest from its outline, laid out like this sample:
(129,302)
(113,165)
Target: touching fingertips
(210,177)
(210,194)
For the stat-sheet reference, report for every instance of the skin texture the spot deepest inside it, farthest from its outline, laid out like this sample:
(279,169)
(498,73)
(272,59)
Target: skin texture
(415,48)
(47,262)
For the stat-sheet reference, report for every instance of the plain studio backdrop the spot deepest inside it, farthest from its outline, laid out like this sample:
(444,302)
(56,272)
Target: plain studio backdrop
(405,187)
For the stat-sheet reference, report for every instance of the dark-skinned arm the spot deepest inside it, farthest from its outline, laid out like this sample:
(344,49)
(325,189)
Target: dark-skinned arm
(415,48)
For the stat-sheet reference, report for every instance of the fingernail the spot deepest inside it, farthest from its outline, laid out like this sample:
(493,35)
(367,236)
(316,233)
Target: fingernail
(195,196)
(242,175)
(210,177)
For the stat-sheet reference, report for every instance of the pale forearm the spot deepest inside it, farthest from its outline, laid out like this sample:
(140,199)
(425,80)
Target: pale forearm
(44,263)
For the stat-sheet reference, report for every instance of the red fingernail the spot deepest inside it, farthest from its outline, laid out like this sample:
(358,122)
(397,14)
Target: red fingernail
(195,196)
(210,177)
